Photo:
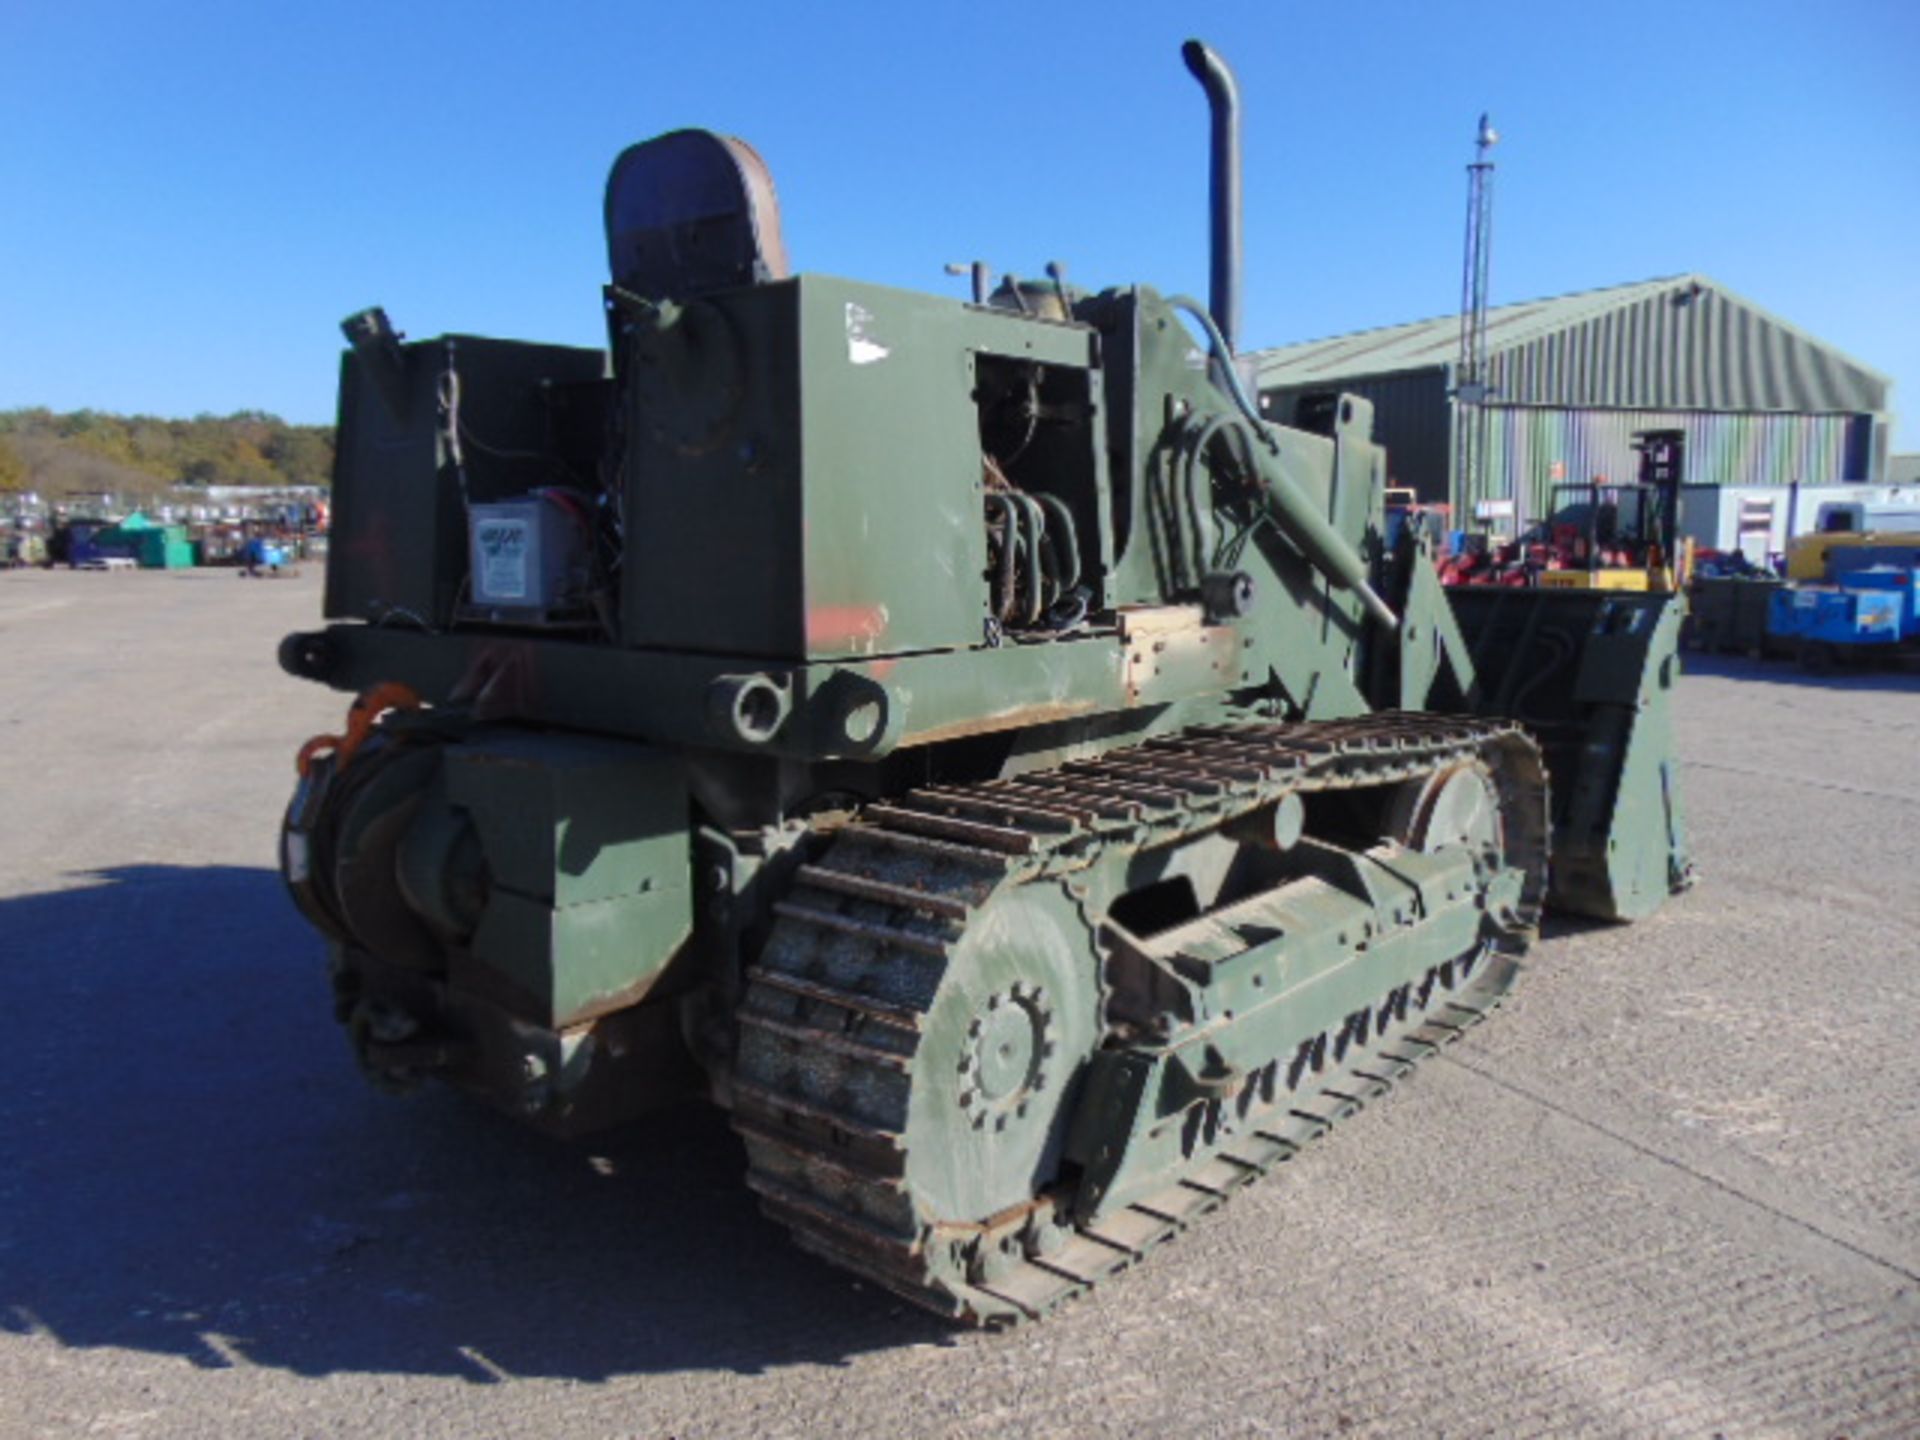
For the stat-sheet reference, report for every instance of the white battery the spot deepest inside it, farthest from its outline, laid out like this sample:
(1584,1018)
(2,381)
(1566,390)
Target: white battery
(526,554)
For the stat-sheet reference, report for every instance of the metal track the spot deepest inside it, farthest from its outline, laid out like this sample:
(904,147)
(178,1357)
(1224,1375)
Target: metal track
(831,1020)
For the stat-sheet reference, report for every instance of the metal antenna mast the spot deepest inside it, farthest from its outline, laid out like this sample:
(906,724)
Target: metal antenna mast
(1470,381)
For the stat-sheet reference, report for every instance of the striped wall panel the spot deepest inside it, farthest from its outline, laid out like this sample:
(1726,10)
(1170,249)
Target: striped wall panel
(1683,350)
(1524,444)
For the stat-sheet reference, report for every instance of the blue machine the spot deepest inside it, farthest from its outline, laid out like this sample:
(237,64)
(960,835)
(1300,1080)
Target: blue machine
(1845,560)
(1903,583)
(1878,607)
(260,551)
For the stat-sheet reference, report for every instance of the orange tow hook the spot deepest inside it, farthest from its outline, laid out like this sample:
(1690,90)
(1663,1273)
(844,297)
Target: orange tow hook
(366,708)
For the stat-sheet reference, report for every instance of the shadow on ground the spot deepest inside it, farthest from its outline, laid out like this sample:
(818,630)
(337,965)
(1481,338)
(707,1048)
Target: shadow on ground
(1865,675)
(196,1169)
(1561,925)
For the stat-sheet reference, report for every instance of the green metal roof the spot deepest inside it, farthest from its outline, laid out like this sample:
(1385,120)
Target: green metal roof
(1675,342)
(1425,343)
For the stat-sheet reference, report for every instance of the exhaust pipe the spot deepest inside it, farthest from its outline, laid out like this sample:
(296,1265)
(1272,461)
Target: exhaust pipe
(1223,99)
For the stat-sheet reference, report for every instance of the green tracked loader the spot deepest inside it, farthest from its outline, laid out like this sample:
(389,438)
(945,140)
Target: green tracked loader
(962,739)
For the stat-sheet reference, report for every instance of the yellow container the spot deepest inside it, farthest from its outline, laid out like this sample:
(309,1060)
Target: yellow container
(1807,554)
(1621,579)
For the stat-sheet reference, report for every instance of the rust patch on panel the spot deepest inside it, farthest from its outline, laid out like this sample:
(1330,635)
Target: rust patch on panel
(1172,652)
(1044,714)
(846,627)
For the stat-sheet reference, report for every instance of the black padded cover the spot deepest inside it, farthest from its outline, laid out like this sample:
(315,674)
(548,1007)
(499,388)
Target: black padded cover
(692,212)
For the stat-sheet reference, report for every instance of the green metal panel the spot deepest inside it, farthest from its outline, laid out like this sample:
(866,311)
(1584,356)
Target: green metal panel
(590,891)
(1592,673)
(569,819)
(892,540)
(807,515)
(399,535)
(1677,342)
(922,699)
(1300,630)
(559,967)
(712,561)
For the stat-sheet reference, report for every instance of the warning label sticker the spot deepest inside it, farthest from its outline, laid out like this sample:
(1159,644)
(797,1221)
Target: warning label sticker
(863,347)
(501,547)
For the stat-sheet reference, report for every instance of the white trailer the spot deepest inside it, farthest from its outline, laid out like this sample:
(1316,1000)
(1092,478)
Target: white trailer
(1758,520)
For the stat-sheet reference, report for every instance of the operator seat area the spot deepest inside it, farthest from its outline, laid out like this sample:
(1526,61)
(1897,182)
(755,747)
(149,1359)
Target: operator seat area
(691,212)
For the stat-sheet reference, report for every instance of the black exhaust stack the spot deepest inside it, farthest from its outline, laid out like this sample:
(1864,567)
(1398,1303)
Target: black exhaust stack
(1223,99)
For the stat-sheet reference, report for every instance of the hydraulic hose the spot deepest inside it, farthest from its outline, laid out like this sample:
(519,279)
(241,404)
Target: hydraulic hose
(1325,548)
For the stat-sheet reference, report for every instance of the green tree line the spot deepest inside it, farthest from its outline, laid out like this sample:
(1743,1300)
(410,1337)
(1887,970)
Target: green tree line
(90,451)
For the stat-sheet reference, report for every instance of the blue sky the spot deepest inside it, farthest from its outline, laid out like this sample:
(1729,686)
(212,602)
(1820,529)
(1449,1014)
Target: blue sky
(196,194)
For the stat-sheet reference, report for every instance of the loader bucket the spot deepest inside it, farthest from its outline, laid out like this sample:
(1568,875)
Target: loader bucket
(1591,674)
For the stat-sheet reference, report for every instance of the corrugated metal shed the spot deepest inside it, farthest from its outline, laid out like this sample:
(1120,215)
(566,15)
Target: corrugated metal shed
(1682,342)
(1573,377)
(1531,448)
(1425,343)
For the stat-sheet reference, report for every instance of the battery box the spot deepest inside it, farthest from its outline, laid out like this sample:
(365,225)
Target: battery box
(528,559)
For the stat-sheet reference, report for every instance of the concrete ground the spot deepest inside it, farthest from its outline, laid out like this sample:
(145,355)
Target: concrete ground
(1672,1189)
